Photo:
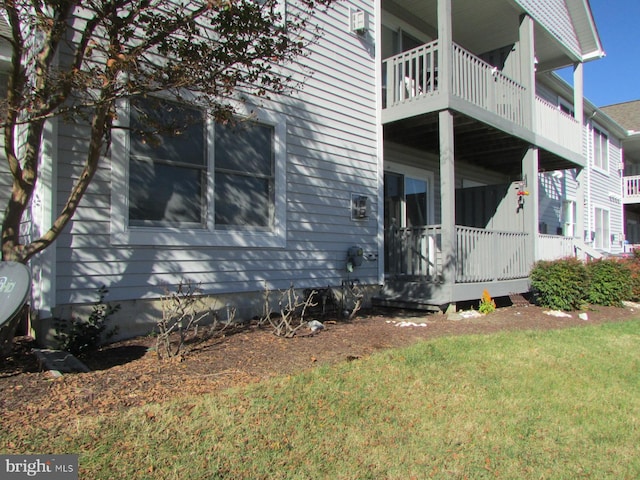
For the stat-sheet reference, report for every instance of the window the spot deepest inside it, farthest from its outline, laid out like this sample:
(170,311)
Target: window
(566,107)
(600,149)
(189,181)
(167,169)
(569,215)
(602,237)
(244,176)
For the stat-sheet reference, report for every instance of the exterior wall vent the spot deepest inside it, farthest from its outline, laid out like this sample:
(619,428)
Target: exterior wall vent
(359,21)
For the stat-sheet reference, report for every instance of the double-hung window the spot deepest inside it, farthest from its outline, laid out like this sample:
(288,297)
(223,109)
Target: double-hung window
(600,149)
(186,180)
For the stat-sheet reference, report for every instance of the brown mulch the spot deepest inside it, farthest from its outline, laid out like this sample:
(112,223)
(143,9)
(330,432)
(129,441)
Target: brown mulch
(128,373)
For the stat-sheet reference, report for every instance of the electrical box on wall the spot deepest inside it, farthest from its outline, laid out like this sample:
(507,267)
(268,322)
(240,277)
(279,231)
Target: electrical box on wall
(359,206)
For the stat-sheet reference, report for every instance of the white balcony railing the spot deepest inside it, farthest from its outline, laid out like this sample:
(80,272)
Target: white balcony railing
(414,74)
(631,189)
(410,74)
(557,126)
(482,84)
(555,247)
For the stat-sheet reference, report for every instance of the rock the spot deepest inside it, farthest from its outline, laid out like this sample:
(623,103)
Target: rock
(557,313)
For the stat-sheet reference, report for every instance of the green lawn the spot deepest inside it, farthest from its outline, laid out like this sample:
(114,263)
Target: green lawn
(553,405)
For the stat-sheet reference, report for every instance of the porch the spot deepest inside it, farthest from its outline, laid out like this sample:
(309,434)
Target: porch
(499,261)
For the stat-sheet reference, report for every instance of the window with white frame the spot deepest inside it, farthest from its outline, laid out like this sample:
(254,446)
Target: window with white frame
(194,181)
(569,218)
(600,149)
(602,238)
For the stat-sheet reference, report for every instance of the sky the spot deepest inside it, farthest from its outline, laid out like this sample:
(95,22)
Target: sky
(616,77)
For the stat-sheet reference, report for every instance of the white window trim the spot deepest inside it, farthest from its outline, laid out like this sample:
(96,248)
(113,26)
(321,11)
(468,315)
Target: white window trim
(606,246)
(124,234)
(605,133)
(418,173)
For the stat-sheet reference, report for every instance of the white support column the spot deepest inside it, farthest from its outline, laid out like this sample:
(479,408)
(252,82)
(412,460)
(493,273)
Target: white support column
(527,66)
(445,46)
(447,199)
(582,210)
(578,92)
(530,207)
(43,214)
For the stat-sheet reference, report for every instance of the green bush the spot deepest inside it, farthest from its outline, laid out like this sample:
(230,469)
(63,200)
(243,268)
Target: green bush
(79,336)
(560,284)
(610,282)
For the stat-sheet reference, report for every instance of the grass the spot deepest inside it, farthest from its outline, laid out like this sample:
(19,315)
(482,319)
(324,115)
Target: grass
(557,404)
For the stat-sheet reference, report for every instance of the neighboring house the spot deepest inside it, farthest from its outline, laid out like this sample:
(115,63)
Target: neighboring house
(628,115)
(603,231)
(430,135)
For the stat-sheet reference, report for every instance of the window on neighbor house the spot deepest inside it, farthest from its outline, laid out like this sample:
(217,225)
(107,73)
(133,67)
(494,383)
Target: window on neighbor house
(600,149)
(569,218)
(602,238)
(198,182)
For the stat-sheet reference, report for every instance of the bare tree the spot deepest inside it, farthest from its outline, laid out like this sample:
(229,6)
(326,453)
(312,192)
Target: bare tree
(75,59)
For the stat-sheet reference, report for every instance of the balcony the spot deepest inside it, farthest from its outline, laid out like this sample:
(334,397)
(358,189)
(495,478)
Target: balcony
(412,86)
(631,189)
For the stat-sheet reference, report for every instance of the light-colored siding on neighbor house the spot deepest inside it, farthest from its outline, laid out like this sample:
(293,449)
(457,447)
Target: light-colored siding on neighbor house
(603,188)
(330,155)
(555,17)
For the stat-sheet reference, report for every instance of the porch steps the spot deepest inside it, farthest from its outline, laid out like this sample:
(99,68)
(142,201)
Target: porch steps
(518,300)
(408,304)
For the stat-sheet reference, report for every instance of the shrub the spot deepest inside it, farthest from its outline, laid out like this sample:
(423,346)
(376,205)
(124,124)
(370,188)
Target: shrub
(610,282)
(560,284)
(78,336)
(633,264)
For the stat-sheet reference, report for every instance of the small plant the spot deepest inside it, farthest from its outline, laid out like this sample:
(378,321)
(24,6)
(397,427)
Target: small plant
(183,310)
(79,336)
(560,284)
(293,309)
(487,304)
(352,298)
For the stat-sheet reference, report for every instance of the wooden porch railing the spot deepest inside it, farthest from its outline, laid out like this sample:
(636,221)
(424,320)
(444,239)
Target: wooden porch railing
(557,126)
(631,189)
(410,74)
(481,255)
(414,253)
(487,255)
(414,74)
(554,247)
(484,85)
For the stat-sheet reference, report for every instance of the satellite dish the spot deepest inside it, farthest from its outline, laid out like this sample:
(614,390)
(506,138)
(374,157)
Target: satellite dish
(15,282)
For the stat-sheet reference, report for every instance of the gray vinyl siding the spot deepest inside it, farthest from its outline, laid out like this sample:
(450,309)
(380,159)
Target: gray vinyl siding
(604,188)
(555,17)
(330,154)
